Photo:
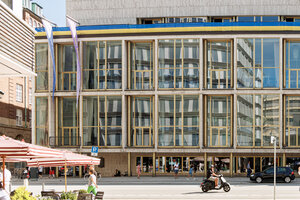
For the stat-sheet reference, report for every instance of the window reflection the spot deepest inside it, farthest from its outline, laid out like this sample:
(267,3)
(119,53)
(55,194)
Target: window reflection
(42,121)
(219,65)
(257,119)
(258,63)
(178,63)
(292,64)
(179,120)
(292,121)
(102,65)
(41,66)
(218,123)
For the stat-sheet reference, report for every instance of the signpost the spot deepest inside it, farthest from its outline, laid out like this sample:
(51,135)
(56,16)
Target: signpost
(273,141)
(94,151)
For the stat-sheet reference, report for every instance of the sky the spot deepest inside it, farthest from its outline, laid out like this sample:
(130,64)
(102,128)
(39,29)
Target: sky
(54,10)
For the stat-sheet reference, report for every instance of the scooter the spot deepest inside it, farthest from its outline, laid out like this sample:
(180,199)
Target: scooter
(207,185)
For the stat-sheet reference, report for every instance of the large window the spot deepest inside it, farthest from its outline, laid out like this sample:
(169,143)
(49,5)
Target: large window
(218,121)
(257,119)
(41,66)
(258,63)
(292,121)
(102,65)
(292,64)
(19,117)
(218,64)
(102,121)
(141,64)
(178,120)
(67,122)
(67,67)
(41,119)
(19,93)
(141,121)
(178,62)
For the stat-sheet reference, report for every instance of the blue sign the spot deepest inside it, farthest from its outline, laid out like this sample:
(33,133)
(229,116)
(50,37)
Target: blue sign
(94,150)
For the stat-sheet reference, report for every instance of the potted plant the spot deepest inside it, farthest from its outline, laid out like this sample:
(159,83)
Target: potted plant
(68,196)
(22,194)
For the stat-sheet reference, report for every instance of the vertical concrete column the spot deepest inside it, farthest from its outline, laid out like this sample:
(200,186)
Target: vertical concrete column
(283,160)
(155,128)
(154,165)
(280,121)
(124,99)
(201,109)
(280,63)
(51,101)
(80,120)
(56,172)
(281,96)
(201,60)
(231,164)
(33,115)
(234,130)
(129,163)
(155,64)
(80,171)
(205,164)
(234,63)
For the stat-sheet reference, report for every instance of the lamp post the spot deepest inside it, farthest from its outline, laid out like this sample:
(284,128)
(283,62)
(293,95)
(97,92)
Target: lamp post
(273,141)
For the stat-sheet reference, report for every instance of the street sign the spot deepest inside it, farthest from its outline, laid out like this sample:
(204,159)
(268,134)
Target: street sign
(94,151)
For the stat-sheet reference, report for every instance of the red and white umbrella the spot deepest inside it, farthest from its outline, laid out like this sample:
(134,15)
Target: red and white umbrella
(15,150)
(68,159)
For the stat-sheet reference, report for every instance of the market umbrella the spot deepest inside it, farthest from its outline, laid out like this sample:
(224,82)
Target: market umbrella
(68,159)
(15,150)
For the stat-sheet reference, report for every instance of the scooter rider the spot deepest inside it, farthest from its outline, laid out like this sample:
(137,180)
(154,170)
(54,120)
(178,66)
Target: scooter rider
(212,176)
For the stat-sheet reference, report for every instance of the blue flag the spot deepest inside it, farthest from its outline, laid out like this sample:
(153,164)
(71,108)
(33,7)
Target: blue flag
(49,33)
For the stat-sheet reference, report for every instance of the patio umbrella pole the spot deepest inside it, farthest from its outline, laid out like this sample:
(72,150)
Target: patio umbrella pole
(3,163)
(65,177)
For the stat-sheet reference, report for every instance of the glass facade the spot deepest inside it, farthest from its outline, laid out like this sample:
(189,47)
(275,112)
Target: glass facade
(292,64)
(42,135)
(102,65)
(292,121)
(141,64)
(67,122)
(258,63)
(218,55)
(257,119)
(178,63)
(218,121)
(41,66)
(102,119)
(66,59)
(178,120)
(141,121)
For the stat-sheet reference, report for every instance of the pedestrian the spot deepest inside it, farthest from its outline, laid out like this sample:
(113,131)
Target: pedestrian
(40,168)
(3,193)
(93,168)
(139,171)
(7,177)
(299,170)
(176,168)
(191,171)
(249,170)
(51,173)
(92,183)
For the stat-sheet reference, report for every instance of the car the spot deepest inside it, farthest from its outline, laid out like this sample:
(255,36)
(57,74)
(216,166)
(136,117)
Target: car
(282,173)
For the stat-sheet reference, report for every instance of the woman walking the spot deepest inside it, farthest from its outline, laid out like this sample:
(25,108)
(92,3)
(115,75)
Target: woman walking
(92,183)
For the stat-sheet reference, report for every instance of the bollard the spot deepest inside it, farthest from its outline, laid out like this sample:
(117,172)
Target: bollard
(26,183)
(43,186)
(9,187)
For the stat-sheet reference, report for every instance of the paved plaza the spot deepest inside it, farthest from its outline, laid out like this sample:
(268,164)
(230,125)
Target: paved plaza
(169,188)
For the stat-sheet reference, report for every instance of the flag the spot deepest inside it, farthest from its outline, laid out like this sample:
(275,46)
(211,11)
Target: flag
(72,24)
(49,33)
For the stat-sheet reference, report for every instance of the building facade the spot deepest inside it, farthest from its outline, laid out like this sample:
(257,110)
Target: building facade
(197,93)
(16,72)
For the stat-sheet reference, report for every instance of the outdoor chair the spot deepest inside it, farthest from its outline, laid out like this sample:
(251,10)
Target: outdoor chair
(99,195)
(51,194)
(85,197)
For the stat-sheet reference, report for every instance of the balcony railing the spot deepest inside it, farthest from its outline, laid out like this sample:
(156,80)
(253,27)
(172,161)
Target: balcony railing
(59,141)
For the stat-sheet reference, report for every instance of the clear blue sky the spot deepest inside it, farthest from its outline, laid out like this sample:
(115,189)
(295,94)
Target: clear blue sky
(54,10)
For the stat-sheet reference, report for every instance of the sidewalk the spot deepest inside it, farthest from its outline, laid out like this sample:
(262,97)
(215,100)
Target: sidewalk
(158,180)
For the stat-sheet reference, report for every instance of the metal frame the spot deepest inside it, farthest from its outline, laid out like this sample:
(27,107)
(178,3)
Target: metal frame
(41,71)
(47,122)
(287,64)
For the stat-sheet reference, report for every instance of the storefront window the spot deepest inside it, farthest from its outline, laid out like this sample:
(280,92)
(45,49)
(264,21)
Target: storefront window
(257,119)
(141,121)
(146,164)
(222,164)
(41,66)
(179,120)
(67,122)
(102,65)
(67,68)
(294,163)
(292,121)
(258,63)
(292,64)
(218,64)
(42,121)
(102,119)
(178,63)
(141,64)
(218,121)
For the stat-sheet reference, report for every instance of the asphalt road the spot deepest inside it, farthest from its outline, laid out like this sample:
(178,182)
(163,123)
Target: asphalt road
(245,191)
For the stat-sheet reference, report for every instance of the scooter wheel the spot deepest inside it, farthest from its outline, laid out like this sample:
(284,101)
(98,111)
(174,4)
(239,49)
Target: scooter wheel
(226,188)
(204,188)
